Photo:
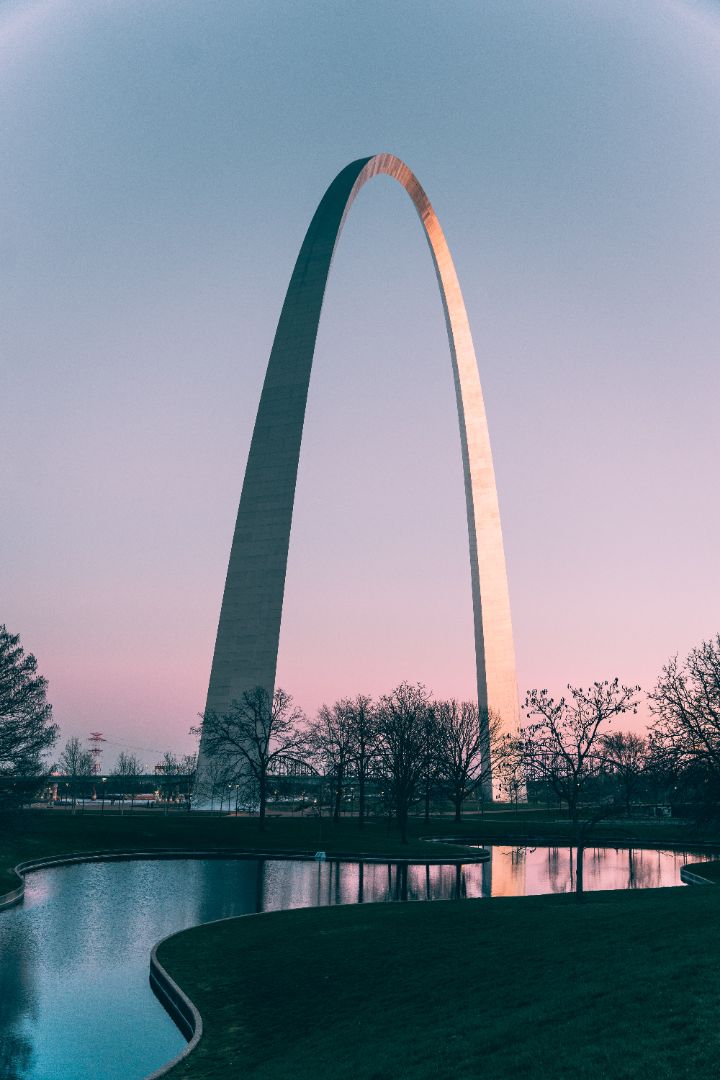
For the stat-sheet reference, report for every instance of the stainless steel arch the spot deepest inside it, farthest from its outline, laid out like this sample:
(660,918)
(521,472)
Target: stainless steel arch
(249,629)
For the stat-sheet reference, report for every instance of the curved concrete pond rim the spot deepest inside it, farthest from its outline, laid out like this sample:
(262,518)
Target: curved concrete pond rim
(14,896)
(187,1016)
(178,1005)
(688,875)
(175,1002)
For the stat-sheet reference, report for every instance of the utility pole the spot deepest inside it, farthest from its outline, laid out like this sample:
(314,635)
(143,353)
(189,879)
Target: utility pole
(96,740)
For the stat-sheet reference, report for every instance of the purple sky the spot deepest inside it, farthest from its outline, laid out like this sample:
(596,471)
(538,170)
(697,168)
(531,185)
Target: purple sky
(161,162)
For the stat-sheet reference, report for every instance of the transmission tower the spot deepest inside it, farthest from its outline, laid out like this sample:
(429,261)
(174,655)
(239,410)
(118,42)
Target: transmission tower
(96,740)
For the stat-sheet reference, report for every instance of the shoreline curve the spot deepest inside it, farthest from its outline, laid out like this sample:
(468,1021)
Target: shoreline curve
(181,1009)
(15,896)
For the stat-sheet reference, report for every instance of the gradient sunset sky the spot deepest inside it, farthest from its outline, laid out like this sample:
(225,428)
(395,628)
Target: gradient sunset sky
(161,161)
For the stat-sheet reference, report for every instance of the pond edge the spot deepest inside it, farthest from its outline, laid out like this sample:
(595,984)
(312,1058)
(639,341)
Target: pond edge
(179,1007)
(176,1003)
(14,896)
(688,875)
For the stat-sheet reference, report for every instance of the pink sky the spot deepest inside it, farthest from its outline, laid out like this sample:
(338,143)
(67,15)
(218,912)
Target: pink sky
(161,169)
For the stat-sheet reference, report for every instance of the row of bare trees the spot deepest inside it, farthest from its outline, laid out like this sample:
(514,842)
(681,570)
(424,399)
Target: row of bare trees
(415,745)
(173,776)
(406,740)
(569,746)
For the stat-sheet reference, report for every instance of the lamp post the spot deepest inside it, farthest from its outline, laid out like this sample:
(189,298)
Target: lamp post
(104,782)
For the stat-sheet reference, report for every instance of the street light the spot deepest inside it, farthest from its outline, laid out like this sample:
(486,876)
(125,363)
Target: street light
(104,782)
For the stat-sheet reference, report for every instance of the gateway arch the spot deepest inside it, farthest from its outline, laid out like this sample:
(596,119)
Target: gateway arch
(248,634)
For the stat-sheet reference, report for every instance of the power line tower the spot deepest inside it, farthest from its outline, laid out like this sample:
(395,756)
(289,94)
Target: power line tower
(96,740)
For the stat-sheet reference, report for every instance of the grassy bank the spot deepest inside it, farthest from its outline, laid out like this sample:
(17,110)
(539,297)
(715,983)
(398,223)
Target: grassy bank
(38,833)
(709,870)
(623,986)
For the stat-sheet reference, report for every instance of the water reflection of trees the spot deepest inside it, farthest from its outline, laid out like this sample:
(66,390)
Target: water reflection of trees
(558,870)
(17,1003)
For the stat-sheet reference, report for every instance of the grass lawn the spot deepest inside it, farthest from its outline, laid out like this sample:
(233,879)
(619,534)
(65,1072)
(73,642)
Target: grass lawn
(37,833)
(622,987)
(709,870)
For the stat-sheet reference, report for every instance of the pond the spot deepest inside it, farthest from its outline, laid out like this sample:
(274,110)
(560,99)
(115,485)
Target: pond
(75,1001)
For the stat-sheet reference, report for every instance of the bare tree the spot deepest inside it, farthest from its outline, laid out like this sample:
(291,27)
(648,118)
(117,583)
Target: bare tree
(564,747)
(468,742)
(187,769)
(258,731)
(509,769)
(213,778)
(363,726)
(75,762)
(128,768)
(402,726)
(626,757)
(166,770)
(330,742)
(686,707)
(430,769)
(27,732)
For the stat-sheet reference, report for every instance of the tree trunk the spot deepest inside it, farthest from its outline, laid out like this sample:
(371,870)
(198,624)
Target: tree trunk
(458,807)
(427,801)
(262,795)
(361,801)
(338,795)
(402,822)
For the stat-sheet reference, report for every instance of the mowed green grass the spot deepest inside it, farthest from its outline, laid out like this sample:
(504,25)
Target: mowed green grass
(625,986)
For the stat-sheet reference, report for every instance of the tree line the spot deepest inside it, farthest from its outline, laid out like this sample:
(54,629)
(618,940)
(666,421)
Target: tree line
(174,776)
(410,743)
(411,752)
(422,751)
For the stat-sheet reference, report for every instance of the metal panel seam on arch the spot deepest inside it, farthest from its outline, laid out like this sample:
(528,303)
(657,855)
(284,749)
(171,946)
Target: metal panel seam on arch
(248,634)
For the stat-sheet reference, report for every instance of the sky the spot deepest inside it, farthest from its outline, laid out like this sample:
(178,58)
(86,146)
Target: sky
(161,162)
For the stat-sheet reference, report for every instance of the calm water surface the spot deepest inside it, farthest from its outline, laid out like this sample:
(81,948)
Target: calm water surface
(75,1002)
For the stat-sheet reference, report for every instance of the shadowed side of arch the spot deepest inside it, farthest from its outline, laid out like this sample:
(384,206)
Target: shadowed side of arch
(248,635)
